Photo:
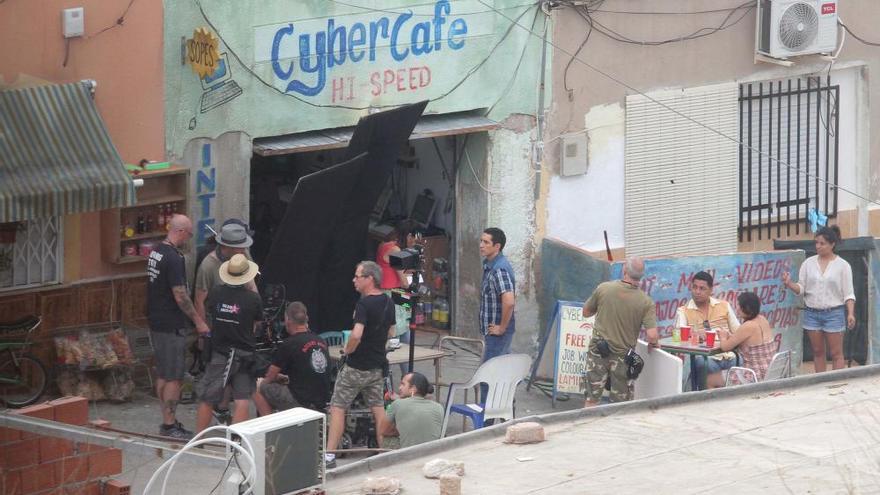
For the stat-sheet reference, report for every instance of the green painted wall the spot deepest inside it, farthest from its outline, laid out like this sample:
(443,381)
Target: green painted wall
(467,57)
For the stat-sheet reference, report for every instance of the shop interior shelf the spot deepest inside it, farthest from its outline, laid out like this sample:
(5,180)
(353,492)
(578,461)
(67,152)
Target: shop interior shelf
(131,259)
(157,200)
(147,235)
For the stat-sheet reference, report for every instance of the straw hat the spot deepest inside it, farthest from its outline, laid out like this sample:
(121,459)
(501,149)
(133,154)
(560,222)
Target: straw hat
(238,270)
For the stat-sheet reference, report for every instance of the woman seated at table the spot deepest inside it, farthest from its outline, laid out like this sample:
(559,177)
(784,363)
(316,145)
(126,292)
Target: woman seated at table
(754,340)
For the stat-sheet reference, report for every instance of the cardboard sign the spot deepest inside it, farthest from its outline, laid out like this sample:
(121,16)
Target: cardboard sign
(573,333)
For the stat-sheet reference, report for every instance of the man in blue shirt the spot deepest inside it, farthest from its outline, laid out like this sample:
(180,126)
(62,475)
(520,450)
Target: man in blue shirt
(497,295)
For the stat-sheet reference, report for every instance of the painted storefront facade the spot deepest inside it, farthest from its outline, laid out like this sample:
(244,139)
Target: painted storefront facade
(238,73)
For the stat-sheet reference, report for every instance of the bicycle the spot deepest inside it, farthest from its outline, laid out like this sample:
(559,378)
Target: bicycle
(23,376)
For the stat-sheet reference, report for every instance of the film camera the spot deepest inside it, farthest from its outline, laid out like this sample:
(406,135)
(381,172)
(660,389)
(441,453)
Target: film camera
(410,258)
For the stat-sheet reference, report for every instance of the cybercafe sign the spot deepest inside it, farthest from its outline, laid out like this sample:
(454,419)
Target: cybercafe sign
(371,57)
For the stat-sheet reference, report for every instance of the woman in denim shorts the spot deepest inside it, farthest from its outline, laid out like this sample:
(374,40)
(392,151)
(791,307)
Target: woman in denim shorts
(825,281)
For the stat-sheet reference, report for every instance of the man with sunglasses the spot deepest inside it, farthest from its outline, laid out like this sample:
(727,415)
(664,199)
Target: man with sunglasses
(703,313)
(168,309)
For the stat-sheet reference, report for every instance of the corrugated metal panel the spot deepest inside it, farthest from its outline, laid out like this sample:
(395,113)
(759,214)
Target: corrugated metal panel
(681,178)
(56,156)
(428,126)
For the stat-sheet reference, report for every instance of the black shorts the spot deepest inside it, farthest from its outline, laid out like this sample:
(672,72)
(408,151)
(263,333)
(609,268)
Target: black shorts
(170,351)
(222,371)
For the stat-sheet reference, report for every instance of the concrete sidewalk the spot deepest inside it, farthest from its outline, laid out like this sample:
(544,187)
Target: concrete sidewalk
(822,436)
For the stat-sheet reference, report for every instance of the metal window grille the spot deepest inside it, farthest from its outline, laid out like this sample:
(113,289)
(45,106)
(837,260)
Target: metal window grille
(36,255)
(789,155)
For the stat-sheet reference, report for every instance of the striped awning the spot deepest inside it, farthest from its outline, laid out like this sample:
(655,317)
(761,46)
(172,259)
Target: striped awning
(56,157)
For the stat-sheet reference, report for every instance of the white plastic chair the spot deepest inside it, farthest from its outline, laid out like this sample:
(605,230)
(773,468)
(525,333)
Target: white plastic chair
(501,374)
(780,367)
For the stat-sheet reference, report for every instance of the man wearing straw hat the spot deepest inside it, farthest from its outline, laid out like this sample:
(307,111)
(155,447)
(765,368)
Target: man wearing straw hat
(234,312)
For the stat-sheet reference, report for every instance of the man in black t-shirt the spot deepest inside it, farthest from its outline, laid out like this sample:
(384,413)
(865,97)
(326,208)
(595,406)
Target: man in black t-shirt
(168,309)
(303,361)
(374,322)
(234,312)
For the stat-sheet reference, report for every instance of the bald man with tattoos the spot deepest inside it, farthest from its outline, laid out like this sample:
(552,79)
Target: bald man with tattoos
(168,309)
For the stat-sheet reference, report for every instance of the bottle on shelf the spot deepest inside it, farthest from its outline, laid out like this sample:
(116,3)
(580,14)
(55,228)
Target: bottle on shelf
(167,217)
(127,228)
(148,222)
(140,223)
(160,218)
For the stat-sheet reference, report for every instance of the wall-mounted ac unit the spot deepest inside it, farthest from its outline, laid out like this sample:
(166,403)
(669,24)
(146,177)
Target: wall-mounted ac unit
(787,28)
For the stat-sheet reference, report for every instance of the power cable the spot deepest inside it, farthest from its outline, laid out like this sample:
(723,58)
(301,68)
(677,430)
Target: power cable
(119,21)
(699,33)
(695,12)
(408,11)
(854,35)
(269,85)
(721,134)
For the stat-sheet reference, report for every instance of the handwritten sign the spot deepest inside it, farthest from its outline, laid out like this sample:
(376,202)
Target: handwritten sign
(202,52)
(667,281)
(573,333)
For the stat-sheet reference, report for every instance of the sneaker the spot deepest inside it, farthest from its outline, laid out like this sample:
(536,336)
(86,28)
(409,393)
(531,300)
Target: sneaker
(329,461)
(175,431)
(222,416)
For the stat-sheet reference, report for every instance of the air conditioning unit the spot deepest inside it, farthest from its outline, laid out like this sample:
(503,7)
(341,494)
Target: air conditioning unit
(787,28)
(288,451)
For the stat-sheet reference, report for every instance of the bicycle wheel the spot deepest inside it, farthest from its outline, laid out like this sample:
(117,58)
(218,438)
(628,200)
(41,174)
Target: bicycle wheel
(24,384)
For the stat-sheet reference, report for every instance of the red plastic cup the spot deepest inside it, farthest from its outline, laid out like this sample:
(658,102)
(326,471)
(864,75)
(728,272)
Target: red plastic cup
(710,338)
(685,333)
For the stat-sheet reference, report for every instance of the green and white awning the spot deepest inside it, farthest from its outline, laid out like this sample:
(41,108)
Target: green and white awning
(56,156)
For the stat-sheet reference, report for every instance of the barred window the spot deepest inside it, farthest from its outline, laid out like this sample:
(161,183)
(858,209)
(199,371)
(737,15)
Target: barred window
(788,160)
(30,253)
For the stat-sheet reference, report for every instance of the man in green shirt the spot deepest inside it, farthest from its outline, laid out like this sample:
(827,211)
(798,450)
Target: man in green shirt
(621,310)
(412,417)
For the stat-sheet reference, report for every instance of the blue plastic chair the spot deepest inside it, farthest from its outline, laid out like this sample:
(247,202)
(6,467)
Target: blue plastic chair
(502,374)
(332,338)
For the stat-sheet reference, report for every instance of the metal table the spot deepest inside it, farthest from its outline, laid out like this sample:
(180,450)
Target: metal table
(697,382)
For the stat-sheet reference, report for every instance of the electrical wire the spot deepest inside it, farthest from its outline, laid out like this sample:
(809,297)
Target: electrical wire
(695,12)
(389,11)
(515,71)
(854,35)
(272,87)
(721,134)
(119,21)
(699,33)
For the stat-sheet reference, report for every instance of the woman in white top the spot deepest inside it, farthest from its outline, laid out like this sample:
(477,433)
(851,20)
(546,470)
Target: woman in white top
(825,281)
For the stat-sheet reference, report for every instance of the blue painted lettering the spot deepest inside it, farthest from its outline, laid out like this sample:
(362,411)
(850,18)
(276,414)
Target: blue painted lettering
(205,202)
(423,31)
(208,181)
(441,9)
(395,32)
(354,42)
(276,48)
(375,33)
(335,54)
(320,51)
(319,67)
(457,28)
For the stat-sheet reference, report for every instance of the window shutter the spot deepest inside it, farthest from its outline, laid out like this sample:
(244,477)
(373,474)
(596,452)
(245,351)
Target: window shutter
(682,179)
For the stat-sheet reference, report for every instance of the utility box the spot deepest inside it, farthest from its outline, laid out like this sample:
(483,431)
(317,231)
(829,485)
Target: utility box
(574,155)
(73,22)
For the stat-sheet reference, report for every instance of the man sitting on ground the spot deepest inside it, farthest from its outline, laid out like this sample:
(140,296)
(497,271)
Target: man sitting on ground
(300,373)
(412,417)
